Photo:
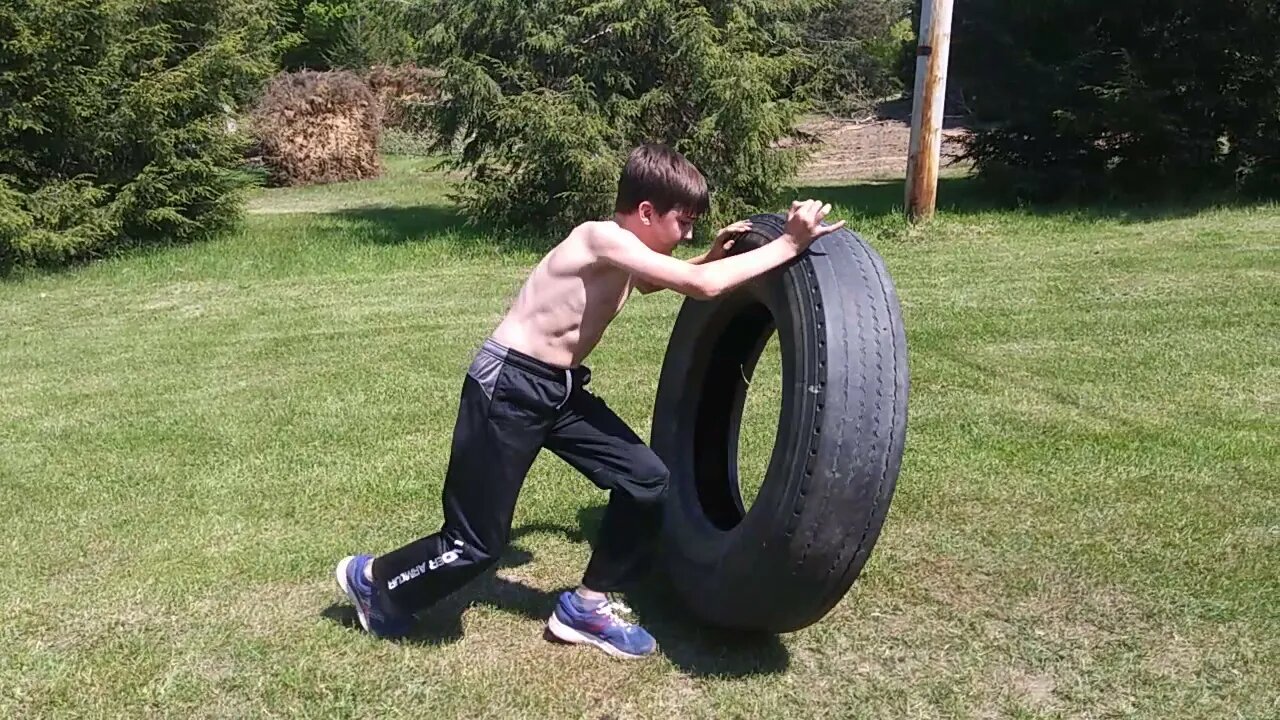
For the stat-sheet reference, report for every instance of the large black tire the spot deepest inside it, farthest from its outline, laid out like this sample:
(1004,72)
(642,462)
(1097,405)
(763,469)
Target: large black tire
(787,561)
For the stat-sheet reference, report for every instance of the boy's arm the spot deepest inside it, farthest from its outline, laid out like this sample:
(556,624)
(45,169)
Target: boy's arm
(723,241)
(719,248)
(624,250)
(644,288)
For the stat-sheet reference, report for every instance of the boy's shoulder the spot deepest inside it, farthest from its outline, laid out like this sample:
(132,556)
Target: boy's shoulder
(593,231)
(584,241)
(592,243)
(595,227)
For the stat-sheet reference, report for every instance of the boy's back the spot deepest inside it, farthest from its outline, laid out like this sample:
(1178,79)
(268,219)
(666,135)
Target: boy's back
(567,302)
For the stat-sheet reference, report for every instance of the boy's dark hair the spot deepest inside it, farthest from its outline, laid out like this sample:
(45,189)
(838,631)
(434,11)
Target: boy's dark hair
(665,178)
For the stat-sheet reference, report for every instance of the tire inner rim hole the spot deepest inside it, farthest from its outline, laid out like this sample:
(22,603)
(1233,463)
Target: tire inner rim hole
(738,416)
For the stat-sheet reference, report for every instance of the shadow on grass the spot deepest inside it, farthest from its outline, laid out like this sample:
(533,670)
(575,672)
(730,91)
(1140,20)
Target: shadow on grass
(966,195)
(700,650)
(380,226)
(695,649)
(957,195)
(442,623)
(425,223)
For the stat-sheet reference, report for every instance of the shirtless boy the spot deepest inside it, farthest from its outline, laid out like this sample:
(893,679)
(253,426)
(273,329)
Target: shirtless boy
(526,390)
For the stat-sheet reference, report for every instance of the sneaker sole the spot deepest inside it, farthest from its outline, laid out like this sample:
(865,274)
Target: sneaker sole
(569,635)
(341,576)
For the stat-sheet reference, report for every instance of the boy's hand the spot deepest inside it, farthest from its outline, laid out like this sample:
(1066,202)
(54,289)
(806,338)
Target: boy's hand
(804,223)
(724,239)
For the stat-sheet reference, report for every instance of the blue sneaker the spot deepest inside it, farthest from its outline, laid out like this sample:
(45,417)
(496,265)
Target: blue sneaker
(375,617)
(581,621)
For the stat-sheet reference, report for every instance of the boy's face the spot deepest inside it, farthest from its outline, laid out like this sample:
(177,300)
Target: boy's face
(670,228)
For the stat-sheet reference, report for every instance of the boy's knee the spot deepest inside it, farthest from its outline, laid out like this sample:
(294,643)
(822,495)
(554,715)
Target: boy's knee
(479,549)
(650,479)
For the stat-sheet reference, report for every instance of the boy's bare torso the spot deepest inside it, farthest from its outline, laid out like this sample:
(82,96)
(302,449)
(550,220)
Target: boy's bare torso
(566,303)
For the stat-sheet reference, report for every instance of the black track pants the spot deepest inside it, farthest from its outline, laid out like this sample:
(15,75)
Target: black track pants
(513,405)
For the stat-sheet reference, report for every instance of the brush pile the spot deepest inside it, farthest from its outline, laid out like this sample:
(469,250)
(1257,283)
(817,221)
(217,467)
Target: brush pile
(318,127)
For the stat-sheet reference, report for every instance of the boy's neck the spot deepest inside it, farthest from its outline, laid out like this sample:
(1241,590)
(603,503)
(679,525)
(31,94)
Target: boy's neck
(628,222)
(632,224)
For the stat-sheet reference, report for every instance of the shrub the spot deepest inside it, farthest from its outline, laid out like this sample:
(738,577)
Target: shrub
(857,47)
(315,127)
(1089,98)
(318,31)
(378,33)
(116,125)
(406,142)
(401,90)
(542,100)
(348,34)
(406,95)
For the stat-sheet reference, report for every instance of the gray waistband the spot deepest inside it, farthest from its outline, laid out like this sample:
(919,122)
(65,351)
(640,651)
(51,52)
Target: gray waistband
(531,364)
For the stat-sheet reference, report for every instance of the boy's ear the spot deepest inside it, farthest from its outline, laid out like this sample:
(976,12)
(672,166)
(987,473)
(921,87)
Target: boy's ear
(646,211)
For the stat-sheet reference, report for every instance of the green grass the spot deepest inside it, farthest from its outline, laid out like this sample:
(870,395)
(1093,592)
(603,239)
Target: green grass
(1087,522)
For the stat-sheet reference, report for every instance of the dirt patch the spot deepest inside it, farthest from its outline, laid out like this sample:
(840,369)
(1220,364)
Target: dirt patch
(871,148)
(1035,688)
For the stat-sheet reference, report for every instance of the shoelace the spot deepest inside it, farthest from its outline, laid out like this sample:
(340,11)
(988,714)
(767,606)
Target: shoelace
(615,610)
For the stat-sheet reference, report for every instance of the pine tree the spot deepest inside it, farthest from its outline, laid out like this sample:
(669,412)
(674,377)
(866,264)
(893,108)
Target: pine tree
(544,98)
(1088,98)
(116,124)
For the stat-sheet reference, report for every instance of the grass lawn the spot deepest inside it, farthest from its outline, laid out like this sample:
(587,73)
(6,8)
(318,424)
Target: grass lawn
(1087,522)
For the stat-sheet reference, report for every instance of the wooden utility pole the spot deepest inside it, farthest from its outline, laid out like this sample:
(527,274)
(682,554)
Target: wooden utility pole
(925,156)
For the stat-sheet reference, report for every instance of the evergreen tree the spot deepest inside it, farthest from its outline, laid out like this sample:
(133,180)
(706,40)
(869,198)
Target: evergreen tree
(1084,98)
(116,122)
(858,48)
(544,98)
